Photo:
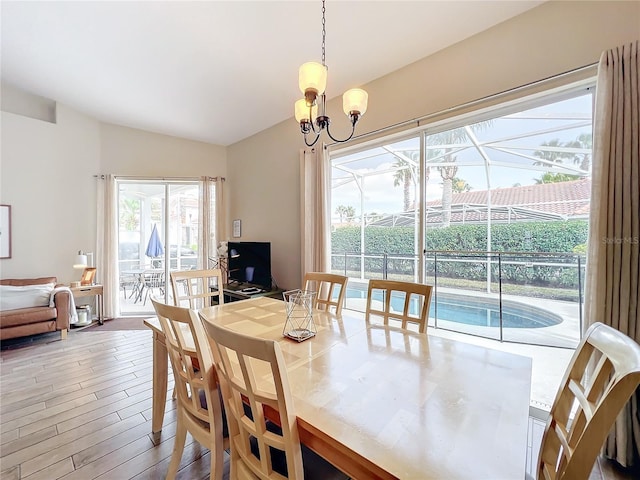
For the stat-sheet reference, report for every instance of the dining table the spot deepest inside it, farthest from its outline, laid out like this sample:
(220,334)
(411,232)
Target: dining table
(383,402)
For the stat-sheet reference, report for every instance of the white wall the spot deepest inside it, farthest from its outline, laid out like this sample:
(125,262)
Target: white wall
(47,176)
(553,38)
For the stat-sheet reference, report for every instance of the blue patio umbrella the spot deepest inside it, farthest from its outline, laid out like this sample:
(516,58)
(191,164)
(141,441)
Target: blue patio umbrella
(154,247)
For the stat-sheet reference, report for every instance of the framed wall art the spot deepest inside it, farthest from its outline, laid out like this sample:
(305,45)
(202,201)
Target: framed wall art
(5,231)
(237,226)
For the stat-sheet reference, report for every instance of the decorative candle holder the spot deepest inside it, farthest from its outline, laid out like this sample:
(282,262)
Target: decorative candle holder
(299,307)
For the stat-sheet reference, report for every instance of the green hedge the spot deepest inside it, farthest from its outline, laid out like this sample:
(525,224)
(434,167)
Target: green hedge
(398,242)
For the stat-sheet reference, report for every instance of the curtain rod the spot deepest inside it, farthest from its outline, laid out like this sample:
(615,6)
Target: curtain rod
(175,179)
(470,103)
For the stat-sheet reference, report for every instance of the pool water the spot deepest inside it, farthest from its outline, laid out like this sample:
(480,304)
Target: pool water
(470,310)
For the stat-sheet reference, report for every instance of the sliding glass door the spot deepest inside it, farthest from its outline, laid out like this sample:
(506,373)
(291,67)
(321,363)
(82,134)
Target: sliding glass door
(157,233)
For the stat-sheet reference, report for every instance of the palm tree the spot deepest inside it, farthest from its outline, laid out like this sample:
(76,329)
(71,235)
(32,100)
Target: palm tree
(405,175)
(584,140)
(551,177)
(459,185)
(129,213)
(448,139)
(346,212)
(551,155)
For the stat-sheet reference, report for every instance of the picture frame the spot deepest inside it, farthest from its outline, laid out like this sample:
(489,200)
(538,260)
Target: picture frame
(88,276)
(5,231)
(237,227)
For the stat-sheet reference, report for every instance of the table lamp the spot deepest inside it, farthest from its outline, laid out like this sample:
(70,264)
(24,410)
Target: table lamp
(89,272)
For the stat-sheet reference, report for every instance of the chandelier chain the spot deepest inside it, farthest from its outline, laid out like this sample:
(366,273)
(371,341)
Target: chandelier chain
(324,34)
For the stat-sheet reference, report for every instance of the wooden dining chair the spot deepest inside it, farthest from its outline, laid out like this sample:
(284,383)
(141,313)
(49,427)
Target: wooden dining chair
(254,382)
(199,408)
(397,300)
(600,378)
(326,286)
(197,288)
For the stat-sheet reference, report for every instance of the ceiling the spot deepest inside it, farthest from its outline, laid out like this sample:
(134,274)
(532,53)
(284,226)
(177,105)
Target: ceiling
(219,71)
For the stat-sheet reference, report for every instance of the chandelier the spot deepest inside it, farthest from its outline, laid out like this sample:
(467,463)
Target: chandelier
(312,80)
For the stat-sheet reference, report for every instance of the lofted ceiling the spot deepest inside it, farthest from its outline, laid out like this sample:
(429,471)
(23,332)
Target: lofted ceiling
(219,71)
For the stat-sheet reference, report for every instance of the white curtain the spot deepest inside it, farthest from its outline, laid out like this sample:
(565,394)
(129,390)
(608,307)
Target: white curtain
(107,244)
(314,184)
(613,264)
(212,227)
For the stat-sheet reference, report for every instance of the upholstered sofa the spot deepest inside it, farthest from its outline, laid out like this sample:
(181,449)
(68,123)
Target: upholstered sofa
(26,307)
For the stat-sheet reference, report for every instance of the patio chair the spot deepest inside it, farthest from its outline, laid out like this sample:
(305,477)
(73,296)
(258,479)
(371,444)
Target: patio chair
(325,285)
(152,284)
(398,298)
(601,377)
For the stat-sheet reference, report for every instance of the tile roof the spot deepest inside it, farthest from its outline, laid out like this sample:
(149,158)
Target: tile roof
(548,201)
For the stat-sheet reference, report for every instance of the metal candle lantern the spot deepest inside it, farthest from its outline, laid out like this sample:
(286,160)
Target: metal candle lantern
(299,307)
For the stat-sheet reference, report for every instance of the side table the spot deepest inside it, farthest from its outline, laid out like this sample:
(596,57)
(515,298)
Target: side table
(91,291)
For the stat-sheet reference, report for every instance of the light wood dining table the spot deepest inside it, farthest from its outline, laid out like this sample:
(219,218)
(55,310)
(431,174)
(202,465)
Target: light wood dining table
(381,402)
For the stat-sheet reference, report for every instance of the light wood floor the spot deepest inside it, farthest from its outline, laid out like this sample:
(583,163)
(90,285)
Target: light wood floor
(80,409)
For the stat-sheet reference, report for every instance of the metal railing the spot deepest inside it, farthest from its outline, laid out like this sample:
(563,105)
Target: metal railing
(524,297)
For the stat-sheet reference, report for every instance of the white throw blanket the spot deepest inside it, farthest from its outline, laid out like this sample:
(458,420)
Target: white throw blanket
(73,315)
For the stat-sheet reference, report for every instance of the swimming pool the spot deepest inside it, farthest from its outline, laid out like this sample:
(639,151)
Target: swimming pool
(471,310)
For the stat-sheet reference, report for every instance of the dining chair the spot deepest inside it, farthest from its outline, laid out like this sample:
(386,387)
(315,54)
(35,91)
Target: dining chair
(199,408)
(326,285)
(263,428)
(599,380)
(398,300)
(197,288)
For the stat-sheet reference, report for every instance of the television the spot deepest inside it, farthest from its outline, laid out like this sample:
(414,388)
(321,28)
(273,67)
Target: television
(250,262)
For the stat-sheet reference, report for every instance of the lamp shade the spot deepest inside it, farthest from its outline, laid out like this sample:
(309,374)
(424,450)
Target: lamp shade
(302,111)
(81,261)
(355,100)
(312,76)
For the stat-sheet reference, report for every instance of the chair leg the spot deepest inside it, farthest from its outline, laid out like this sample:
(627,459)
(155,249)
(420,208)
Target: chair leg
(217,456)
(178,448)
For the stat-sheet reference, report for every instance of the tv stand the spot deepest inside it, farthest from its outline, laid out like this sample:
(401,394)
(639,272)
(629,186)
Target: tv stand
(234,292)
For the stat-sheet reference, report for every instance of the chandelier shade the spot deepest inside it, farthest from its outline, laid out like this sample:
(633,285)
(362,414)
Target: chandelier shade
(312,76)
(310,112)
(355,101)
(303,113)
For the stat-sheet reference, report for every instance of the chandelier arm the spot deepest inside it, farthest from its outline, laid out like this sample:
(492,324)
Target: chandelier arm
(353,130)
(312,143)
(313,128)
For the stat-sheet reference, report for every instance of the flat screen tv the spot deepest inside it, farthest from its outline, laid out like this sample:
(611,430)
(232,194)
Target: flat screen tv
(250,262)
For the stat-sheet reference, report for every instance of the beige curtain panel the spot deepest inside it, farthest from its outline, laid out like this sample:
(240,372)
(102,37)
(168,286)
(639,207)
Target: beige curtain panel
(314,185)
(107,243)
(613,264)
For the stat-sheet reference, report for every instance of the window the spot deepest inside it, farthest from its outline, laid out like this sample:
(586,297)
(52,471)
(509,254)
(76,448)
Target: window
(490,204)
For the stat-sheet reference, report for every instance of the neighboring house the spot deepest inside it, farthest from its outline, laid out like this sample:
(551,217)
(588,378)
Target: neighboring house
(544,202)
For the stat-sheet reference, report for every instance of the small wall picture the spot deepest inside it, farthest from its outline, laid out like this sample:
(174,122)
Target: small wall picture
(237,225)
(5,231)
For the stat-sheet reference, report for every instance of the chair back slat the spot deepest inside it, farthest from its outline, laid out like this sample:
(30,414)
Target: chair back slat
(330,290)
(197,288)
(408,294)
(600,378)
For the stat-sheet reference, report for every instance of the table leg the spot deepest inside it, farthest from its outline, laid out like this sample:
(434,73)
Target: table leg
(160,373)
(100,301)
